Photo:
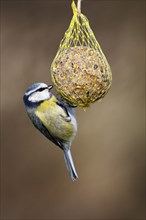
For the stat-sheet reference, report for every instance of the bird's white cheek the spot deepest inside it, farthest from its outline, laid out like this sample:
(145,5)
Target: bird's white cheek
(39,96)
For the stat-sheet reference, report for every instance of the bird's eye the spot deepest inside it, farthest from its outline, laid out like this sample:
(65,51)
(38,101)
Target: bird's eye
(40,89)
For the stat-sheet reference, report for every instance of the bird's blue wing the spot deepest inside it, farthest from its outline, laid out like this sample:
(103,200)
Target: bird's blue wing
(66,107)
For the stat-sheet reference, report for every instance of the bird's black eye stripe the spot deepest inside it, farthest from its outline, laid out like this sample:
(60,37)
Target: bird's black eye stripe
(41,89)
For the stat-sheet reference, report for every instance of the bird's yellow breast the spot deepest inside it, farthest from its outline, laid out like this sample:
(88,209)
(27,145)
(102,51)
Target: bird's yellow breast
(52,117)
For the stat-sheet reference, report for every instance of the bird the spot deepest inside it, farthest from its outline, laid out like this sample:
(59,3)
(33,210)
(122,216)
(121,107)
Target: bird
(54,118)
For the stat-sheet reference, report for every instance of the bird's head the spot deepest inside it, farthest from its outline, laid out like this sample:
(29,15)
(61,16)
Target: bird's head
(37,93)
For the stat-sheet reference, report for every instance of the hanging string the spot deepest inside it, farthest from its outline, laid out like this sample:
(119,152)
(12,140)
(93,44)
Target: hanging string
(79,6)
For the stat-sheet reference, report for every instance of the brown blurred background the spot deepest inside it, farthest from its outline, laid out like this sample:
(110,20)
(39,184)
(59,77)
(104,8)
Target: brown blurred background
(109,148)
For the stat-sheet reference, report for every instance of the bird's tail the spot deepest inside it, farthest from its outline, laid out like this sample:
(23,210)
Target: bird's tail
(70,164)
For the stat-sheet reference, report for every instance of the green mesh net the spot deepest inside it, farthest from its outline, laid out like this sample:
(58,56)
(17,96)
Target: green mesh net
(80,71)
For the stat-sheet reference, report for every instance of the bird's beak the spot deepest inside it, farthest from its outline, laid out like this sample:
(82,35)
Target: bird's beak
(50,87)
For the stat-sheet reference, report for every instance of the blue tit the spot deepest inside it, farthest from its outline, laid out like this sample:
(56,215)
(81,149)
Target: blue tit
(54,118)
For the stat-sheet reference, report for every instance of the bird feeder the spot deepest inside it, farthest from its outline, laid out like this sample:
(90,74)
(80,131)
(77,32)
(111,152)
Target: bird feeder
(80,71)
